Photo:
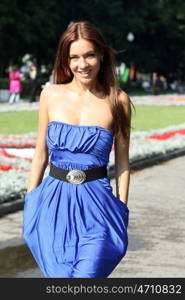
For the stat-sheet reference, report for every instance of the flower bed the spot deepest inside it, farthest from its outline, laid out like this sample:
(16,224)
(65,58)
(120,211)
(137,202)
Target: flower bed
(16,153)
(18,141)
(145,144)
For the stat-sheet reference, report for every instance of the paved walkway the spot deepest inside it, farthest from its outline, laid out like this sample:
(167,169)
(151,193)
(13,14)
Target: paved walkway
(156,227)
(164,100)
(157,223)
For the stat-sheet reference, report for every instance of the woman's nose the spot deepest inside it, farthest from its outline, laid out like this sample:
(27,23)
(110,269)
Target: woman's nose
(82,62)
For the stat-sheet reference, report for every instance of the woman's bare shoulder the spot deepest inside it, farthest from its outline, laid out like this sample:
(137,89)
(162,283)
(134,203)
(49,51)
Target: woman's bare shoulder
(51,91)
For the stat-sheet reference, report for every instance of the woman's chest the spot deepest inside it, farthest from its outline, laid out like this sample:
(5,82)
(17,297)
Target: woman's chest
(93,112)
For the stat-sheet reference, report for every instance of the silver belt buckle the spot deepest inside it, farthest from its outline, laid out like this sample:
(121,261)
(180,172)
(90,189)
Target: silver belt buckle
(76,176)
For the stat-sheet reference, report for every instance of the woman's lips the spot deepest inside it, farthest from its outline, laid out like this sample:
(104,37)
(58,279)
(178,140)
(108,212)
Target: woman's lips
(84,73)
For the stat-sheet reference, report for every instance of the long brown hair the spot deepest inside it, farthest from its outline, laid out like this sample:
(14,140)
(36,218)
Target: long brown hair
(107,74)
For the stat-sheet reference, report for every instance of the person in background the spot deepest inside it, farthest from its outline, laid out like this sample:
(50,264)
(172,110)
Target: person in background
(50,81)
(161,84)
(154,83)
(33,83)
(15,88)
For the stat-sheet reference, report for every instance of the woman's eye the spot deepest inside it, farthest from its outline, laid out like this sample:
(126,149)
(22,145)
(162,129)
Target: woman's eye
(73,57)
(88,55)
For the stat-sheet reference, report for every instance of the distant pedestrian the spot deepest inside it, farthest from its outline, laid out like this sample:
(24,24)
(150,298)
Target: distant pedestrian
(15,88)
(50,81)
(177,86)
(161,84)
(33,74)
(154,83)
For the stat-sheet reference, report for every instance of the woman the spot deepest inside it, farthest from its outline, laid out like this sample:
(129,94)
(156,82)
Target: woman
(15,78)
(73,224)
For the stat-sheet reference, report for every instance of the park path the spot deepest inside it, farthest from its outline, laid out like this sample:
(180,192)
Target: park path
(164,100)
(157,223)
(156,227)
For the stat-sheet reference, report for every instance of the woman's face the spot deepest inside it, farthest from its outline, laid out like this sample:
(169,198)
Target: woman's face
(84,61)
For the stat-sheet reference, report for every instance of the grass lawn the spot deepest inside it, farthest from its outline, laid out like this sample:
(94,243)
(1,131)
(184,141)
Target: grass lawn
(144,118)
(15,122)
(154,117)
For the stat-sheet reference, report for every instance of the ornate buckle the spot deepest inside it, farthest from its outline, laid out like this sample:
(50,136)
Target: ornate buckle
(76,176)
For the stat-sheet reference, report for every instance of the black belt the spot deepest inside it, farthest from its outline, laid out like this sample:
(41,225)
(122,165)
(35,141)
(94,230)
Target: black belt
(77,176)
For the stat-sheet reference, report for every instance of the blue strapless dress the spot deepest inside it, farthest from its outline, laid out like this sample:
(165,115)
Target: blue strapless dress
(76,230)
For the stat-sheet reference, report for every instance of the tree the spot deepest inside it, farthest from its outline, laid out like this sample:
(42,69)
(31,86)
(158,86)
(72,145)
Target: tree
(158,26)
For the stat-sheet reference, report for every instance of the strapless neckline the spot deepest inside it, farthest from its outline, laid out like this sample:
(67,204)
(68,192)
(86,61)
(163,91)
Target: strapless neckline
(81,126)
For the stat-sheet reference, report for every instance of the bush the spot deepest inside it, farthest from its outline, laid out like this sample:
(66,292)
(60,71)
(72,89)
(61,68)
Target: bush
(4,83)
(131,86)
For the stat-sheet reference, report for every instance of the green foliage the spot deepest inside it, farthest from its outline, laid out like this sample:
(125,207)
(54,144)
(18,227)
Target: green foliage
(4,83)
(131,85)
(158,26)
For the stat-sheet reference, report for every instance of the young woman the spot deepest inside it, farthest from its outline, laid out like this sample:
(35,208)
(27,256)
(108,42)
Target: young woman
(73,224)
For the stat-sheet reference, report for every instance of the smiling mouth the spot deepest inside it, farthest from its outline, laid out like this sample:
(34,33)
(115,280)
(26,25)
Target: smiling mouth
(84,73)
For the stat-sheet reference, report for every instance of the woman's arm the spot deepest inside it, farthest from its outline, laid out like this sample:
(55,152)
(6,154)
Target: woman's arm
(121,146)
(40,157)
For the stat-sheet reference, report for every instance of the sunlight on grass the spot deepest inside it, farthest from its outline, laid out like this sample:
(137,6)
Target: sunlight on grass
(18,122)
(144,118)
(154,117)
